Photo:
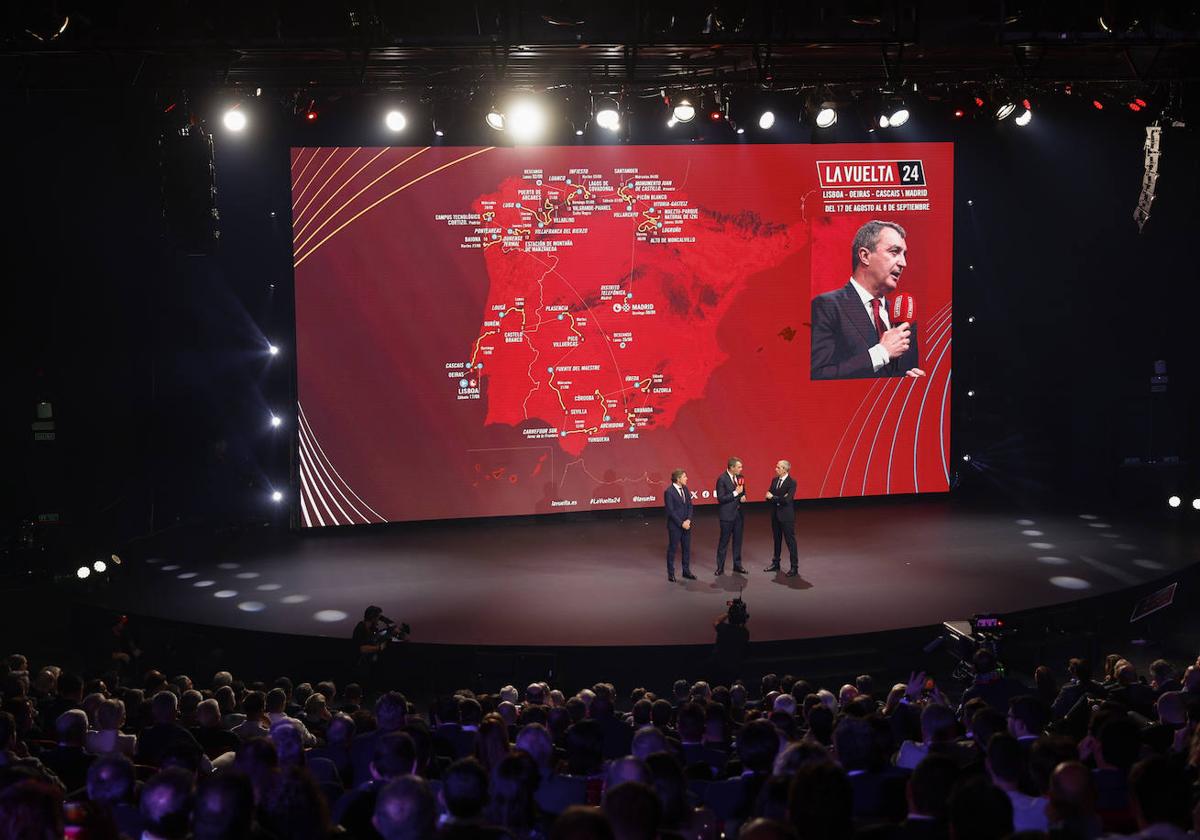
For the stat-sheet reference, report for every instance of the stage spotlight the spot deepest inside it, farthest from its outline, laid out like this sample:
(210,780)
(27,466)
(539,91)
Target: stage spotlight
(494,119)
(893,115)
(899,117)
(959,113)
(437,132)
(1005,110)
(967,458)
(1174,501)
(395,121)
(607,114)
(827,116)
(1024,117)
(1097,104)
(311,115)
(116,561)
(1195,504)
(971,393)
(741,130)
(714,115)
(82,572)
(684,111)
(276,421)
(272,349)
(100,566)
(276,496)
(234,119)
(526,120)
(766,120)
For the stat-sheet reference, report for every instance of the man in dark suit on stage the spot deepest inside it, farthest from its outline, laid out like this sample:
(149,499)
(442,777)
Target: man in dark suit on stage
(783,517)
(731,492)
(679,525)
(852,334)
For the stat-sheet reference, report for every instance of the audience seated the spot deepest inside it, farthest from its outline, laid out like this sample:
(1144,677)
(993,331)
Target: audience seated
(301,760)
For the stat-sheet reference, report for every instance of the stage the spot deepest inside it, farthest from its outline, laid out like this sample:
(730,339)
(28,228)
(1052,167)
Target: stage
(865,566)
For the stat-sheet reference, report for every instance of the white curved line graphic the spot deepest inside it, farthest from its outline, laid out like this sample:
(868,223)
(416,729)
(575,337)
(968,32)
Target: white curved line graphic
(904,405)
(325,457)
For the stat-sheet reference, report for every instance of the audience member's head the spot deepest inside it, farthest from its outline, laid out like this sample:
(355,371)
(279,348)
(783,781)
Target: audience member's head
(796,755)
(647,741)
(465,789)
(395,755)
(406,810)
(633,810)
(1072,793)
(766,829)
(511,805)
(627,769)
(164,706)
(820,803)
(391,711)
(981,811)
(31,809)
(166,803)
(1027,716)
(224,807)
(110,779)
(579,822)
(930,785)
(71,727)
(854,744)
(1159,794)
(758,744)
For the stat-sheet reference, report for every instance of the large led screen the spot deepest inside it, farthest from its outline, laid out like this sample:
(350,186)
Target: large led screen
(508,331)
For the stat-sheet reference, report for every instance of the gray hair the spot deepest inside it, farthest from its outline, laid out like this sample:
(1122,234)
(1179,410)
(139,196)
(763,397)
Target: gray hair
(787,465)
(868,237)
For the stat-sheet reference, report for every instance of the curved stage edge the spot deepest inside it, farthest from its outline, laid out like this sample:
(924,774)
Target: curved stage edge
(865,567)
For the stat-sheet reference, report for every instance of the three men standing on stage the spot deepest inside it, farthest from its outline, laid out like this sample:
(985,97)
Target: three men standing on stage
(731,492)
(783,517)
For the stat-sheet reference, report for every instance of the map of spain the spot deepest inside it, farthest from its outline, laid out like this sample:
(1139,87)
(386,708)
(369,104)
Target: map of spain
(606,289)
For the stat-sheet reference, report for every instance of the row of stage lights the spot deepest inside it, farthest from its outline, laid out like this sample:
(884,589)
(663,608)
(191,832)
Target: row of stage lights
(526,118)
(1176,502)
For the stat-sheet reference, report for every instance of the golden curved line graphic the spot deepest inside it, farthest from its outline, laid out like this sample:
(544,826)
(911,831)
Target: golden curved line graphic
(299,155)
(348,201)
(326,183)
(315,175)
(346,183)
(377,202)
(308,163)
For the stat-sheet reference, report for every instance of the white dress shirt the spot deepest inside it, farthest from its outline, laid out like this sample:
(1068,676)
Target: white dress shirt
(879,356)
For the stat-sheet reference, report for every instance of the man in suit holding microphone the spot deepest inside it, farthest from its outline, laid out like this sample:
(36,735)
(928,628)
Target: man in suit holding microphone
(783,517)
(853,336)
(731,492)
(679,525)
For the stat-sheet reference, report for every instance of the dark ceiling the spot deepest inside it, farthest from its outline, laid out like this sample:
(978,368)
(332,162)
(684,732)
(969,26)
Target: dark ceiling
(617,44)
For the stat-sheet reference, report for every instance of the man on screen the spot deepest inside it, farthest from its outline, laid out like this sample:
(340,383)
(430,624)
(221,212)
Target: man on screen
(783,517)
(679,525)
(852,334)
(731,492)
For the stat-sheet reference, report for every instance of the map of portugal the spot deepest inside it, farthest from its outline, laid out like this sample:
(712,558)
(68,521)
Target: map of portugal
(605,292)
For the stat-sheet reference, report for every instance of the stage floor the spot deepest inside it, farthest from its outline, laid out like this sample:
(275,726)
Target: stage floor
(864,567)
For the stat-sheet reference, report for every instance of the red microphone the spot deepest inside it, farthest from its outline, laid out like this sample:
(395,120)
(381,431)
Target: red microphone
(903,309)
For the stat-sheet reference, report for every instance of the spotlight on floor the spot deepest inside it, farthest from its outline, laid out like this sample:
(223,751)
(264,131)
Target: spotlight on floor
(235,119)
(395,121)
(276,496)
(1174,501)
(100,566)
(82,572)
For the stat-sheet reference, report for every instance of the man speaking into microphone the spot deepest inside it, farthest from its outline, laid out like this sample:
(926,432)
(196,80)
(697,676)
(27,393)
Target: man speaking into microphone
(853,333)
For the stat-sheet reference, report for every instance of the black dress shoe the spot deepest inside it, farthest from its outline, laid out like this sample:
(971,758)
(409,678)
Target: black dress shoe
(718,572)
(741,570)
(774,567)
(792,573)
(670,578)
(688,576)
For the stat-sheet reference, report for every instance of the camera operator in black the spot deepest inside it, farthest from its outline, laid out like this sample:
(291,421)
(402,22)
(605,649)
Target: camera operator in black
(733,637)
(371,637)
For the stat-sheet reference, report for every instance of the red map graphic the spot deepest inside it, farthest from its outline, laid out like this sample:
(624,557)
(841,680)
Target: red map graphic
(587,340)
(506,331)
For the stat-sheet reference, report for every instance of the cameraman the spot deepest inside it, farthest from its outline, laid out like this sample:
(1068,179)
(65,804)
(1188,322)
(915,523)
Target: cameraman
(733,637)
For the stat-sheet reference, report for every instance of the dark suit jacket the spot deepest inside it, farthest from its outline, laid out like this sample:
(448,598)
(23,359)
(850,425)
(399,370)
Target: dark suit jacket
(729,507)
(783,500)
(842,335)
(678,509)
